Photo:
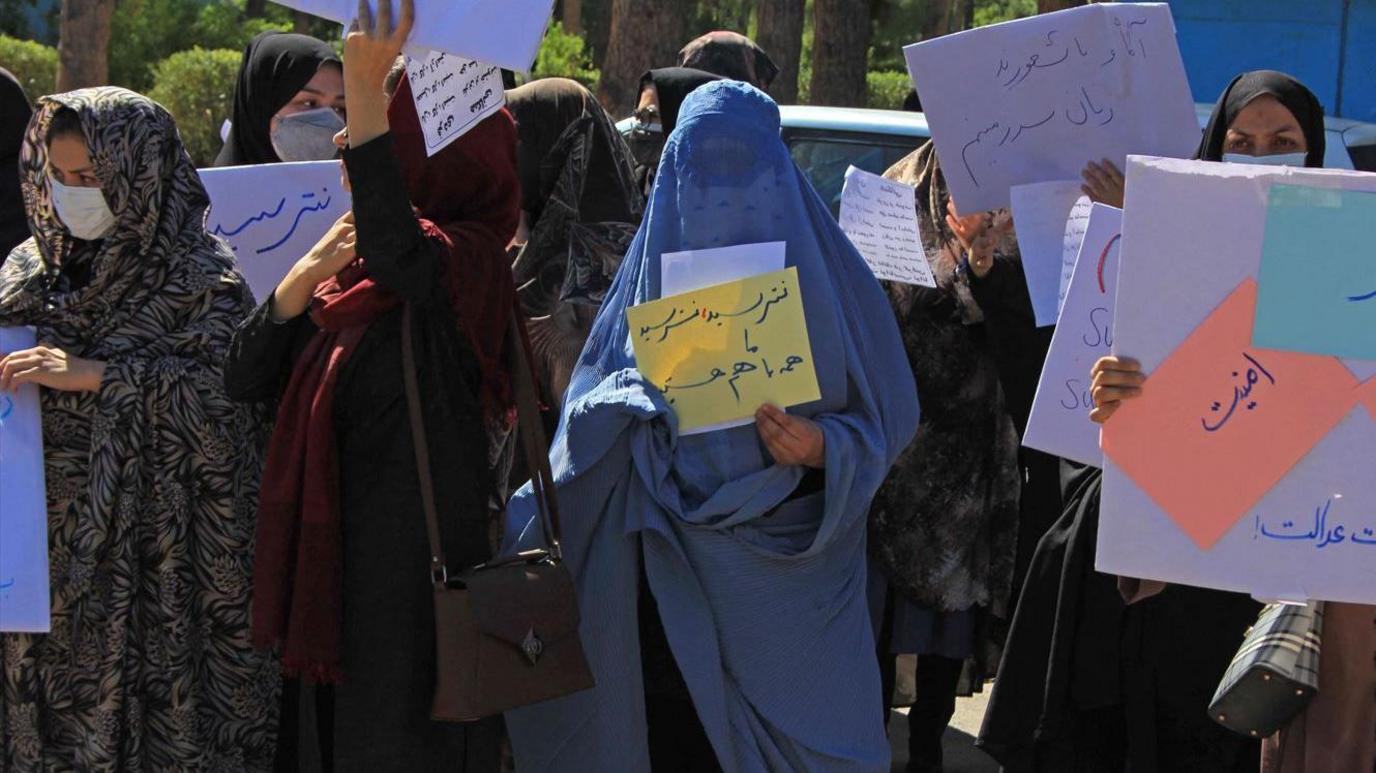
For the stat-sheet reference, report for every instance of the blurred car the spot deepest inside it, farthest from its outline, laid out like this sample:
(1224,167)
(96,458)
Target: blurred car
(825,141)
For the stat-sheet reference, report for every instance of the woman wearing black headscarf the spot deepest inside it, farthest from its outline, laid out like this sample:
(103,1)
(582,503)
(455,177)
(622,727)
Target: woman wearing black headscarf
(1105,673)
(580,207)
(662,92)
(14,119)
(730,55)
(288,102)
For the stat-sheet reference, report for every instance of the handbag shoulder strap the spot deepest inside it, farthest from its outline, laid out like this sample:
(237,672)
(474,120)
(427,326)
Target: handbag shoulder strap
(530,428)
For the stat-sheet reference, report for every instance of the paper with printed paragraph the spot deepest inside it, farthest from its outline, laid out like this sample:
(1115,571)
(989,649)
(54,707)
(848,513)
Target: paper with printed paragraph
(452,95)
(721,352)
(880,217)
(24,600)
(271,215)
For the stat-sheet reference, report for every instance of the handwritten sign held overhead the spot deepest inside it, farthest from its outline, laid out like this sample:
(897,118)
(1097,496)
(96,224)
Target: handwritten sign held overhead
(1035,99)
(1043,214)
(880,217)
(1228,436)
(1059,423)
(1323,309)
(506,33)
(720,353)
(272,215)
(452,95)
(23,503)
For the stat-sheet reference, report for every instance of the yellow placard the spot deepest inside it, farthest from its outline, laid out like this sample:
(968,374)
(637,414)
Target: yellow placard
(721,352)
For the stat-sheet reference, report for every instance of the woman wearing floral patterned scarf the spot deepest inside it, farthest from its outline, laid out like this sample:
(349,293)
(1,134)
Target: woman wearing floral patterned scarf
(152,472)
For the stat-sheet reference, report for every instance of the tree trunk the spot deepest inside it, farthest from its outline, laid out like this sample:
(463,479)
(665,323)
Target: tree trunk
(302,23)
(839,52)
(83,48)
(645,34)
(1047,6)
(780,34)
(937,19)
(573,17)
(256,9)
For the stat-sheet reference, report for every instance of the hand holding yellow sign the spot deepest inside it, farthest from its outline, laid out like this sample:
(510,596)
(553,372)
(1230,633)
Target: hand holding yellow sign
(721,352)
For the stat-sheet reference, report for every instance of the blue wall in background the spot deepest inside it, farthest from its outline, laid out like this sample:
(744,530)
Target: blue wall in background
(1328,44)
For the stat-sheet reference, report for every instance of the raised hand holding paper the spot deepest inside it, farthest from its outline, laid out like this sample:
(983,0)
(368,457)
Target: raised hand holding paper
(273,214)
(1059,423)
(1041,215)
(1318,273)
(506,33)
(721,352)
(24,601)
(1029,100)
(880,217)
(452,94)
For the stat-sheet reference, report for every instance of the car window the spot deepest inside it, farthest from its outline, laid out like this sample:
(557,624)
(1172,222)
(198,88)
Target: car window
(825,159)
(1335,155)
(1361,145)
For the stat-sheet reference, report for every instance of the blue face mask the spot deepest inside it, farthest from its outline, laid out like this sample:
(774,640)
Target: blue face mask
(1278,159)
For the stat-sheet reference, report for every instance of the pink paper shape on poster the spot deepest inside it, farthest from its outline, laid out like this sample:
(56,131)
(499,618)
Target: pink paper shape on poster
(1191,440)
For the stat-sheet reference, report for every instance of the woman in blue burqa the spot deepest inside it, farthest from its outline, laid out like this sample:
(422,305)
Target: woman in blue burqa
(721,576)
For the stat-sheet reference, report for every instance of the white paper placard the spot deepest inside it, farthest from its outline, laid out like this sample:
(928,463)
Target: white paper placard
(506,33)
(689,270)
(272,214)
(1041,217)
(1059,423)
(880,217)
(1192,234)
(1075,227)
(1035,99)
(452,95)
(24,598)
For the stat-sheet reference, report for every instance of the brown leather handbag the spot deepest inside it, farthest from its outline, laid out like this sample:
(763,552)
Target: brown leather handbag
(506,632)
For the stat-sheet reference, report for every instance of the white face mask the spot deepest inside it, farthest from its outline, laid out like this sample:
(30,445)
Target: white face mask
(82,210)
(307,135)
(1277,159)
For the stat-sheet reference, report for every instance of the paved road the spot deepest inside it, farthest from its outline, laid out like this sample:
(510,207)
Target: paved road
(961,754)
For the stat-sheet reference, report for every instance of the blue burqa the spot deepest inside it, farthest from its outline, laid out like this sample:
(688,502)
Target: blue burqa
(761,593)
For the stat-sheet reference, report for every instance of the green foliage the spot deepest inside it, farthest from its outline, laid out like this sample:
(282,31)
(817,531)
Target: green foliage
(563,55)
(145,32)
(886,89)
(34,64)
(994,11)
(13,18)
(197,87)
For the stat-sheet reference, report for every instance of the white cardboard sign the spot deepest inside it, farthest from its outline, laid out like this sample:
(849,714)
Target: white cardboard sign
(1043,215)
(1059,423)
(506,33)
(24,599)
(1192,235)
(1035,99)
(272,214)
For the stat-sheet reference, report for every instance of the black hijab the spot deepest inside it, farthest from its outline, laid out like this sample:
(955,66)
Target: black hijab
(730,55)
(1300,101)
(14,120)
(276,66)
(674,84)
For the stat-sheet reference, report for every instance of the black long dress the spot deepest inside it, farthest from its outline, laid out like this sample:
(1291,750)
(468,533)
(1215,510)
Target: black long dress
(378,719)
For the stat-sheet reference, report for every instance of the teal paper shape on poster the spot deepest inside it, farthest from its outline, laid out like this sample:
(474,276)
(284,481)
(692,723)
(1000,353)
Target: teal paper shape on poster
(1318,273)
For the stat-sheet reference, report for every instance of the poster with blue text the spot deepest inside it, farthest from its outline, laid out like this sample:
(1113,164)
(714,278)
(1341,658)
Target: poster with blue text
(23,503)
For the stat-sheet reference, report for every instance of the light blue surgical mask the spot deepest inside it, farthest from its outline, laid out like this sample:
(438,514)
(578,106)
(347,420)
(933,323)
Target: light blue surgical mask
(1277,159)
(307,135)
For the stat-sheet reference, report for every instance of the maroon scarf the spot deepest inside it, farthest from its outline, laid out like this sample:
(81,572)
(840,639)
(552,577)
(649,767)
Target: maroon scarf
(470,198)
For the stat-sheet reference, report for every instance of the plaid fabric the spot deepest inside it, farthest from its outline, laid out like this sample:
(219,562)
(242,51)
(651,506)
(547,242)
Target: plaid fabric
(1275,672)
